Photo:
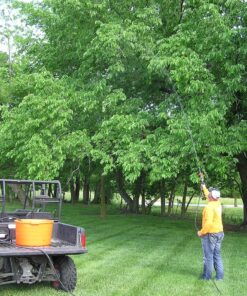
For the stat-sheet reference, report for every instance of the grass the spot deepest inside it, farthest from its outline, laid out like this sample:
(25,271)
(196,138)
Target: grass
(132,255)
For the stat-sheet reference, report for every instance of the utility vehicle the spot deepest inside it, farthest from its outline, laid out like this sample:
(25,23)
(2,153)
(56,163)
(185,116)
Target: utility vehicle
(21,264)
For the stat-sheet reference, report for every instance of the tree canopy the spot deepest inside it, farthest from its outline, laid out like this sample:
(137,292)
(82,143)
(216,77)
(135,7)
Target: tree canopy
(141,90)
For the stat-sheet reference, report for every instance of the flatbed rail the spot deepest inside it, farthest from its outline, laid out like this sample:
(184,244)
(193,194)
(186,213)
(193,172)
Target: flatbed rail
(7,249)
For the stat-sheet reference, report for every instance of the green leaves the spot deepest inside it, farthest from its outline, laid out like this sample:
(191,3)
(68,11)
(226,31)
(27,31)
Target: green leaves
(119,143)
(31,132)
(76,146)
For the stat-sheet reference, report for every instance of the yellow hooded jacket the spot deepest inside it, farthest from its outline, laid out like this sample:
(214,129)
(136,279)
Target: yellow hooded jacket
(211,216)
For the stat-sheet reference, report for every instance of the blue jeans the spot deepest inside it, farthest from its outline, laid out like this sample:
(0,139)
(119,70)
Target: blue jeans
(211,245)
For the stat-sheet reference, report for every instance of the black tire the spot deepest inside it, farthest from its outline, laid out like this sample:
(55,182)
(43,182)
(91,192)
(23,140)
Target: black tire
(66,269)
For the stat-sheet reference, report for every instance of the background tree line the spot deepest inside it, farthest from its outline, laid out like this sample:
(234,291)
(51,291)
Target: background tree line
(117,98)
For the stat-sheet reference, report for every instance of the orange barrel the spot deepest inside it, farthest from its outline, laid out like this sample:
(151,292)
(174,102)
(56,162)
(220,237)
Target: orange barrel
(33,232)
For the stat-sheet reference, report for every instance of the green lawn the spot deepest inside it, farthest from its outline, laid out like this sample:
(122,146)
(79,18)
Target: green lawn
(132,255)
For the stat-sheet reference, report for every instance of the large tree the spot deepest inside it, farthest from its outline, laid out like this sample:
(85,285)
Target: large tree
(150,90)
(205,62)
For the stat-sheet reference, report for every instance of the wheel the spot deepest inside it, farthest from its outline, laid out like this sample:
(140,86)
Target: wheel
(66,270)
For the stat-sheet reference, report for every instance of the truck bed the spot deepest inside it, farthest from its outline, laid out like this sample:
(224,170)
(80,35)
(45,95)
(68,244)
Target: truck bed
(66,239)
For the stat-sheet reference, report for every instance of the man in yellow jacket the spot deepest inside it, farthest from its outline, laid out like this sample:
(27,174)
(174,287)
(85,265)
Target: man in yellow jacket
(212,234)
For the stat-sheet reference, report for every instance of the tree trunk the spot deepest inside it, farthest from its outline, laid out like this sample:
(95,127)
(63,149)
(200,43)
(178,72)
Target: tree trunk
(72,190)
(162,198)
(21,194)
(190,199)
(77,189)
(102,197)
(242,169)
(151,203)
(50,192)
(137,192)
(121,190)
(183,208)
(143,202)
(136,204)
(171,198)
(108,191)
(86,191)
(96,199)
